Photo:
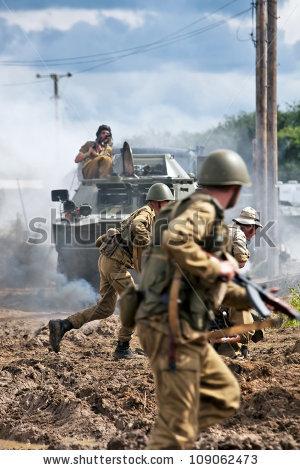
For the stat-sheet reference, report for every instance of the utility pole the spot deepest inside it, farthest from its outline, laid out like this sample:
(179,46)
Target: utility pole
(273,253)
(57,125)
(260,154)
(55,77)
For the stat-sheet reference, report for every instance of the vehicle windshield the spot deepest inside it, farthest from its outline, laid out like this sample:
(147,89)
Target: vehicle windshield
(149,165)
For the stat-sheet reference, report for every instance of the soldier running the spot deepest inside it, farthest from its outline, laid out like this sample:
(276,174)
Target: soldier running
(185,278)
(119,251)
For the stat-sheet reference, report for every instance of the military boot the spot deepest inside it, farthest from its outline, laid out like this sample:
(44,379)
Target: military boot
(245,351)
(123,350)
(57,329)
(258,336)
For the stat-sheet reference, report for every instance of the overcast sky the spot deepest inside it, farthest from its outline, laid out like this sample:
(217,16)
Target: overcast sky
(172,65)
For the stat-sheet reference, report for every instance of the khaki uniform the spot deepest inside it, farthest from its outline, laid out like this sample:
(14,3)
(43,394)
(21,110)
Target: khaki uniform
(116,257)
(237,246)
(201,391)
(96,167)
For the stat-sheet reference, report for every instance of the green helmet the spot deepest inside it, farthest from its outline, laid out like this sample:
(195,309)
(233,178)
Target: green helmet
(159,192)
(222,168)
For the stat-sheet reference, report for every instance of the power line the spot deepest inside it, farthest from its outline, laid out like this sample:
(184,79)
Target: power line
(144,49)
(23,83)
(32,45)
(165,39)
(173,38)
(149,49)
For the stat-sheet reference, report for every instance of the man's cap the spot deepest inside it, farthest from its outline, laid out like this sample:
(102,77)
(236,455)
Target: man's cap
(248,216)
(103,127)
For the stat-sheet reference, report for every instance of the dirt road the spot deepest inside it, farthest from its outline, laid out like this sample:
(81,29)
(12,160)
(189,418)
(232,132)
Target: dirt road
(82,398)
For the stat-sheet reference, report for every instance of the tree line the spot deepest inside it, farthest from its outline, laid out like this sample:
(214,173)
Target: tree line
(238,132)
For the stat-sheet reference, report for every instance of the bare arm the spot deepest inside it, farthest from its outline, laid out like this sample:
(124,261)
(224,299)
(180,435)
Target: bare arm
(85,151)
(80,157)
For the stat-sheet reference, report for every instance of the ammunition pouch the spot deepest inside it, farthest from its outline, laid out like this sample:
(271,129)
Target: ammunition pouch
(109,242)
(195,307)
(198,321)
(129,303)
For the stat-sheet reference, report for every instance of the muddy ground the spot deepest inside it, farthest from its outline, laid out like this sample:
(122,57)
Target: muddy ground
(82,398)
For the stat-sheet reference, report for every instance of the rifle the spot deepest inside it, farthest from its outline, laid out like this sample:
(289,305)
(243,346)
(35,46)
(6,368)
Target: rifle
(259,297)
(232,334)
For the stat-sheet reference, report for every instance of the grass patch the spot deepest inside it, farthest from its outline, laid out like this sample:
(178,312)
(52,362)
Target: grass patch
(294,301)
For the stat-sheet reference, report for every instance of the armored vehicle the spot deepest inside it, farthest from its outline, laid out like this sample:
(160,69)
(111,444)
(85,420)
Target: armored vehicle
(99,204)
(189,159)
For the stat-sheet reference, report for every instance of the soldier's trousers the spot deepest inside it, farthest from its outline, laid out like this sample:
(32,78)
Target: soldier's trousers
(241,317)
(97,167)
(114,278)
(199,393)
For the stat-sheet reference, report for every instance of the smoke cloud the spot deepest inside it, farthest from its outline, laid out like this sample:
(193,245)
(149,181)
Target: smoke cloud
(29,280)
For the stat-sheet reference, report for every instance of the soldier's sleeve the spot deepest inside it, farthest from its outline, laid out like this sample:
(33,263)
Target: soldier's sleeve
(141,228)
(85,147)
(239,248)
(236,296)
(184,236)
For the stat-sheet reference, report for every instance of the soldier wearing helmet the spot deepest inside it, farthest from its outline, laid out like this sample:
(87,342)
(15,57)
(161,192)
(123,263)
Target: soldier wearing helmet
(186,277)
(120,250)
(96,156)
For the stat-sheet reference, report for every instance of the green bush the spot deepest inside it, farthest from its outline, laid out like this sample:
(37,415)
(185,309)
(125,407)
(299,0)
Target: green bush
(294,300)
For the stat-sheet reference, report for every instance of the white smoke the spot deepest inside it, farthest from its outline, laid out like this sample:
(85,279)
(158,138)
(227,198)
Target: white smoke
(29,279)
